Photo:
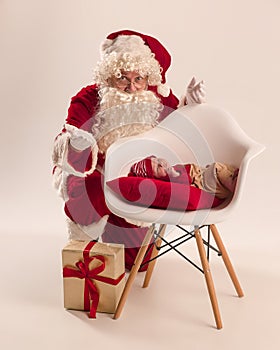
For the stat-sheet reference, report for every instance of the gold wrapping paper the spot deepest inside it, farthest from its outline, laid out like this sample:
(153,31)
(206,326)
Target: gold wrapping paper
(109,295)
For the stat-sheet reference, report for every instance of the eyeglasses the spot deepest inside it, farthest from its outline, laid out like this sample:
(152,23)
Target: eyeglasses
(139,82)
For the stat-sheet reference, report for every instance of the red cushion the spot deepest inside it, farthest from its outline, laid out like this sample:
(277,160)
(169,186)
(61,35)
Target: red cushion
(161,194)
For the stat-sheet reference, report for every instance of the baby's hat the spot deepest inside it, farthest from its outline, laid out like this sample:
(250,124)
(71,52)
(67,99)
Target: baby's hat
(143,168)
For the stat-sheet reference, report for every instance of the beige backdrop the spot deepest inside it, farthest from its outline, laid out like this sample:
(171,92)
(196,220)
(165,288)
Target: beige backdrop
(48,52)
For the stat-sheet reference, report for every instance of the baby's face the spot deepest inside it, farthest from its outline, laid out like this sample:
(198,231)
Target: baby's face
(160,167)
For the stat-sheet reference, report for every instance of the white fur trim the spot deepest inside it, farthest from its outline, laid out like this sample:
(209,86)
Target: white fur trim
(60,176)
(60,160)
(60,151)
(60,183)
(124,44)
(79,232)
(105,45)
(163,90)
(59,146)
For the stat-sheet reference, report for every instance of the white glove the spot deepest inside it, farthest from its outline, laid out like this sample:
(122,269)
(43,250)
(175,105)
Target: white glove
(195,92)
(79,143)
(79,139)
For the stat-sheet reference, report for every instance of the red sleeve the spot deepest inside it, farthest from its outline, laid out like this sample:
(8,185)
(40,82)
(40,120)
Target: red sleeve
(80,161)
(81,114)
(170,103)
(83,107)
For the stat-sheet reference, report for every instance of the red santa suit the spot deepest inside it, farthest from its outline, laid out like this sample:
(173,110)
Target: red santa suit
(78,173)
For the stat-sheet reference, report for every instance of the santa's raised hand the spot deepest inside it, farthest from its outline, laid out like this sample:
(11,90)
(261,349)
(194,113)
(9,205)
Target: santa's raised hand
(195,92)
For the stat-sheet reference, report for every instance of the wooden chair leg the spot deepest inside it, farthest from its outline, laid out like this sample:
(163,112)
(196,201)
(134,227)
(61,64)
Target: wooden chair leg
(154,254)
(226,260)
(137,263)
(208,278)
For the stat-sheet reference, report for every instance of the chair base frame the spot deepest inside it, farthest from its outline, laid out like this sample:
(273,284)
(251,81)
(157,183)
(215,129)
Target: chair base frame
(160,243)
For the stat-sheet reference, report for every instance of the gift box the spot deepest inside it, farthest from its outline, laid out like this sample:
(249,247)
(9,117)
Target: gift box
(93,276)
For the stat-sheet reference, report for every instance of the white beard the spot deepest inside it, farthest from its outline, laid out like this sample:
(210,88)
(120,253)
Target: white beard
(124,114)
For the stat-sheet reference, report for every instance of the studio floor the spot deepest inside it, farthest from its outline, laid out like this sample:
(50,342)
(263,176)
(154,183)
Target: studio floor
(174,311)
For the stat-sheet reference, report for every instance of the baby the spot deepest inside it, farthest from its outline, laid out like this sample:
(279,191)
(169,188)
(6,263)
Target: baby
(217,178)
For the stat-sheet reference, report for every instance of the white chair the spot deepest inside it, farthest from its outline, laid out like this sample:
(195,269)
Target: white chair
(198,134)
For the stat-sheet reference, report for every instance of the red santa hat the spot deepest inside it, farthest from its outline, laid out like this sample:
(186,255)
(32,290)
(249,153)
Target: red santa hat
(143,168)
(132,51)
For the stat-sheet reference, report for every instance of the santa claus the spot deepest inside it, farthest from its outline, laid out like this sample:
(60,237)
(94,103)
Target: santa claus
(128,97)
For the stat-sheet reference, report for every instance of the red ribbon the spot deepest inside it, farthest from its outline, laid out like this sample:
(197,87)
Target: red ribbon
(91,293)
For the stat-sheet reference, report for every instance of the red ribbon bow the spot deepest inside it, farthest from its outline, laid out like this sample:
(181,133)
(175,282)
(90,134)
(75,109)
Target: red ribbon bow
(91,293)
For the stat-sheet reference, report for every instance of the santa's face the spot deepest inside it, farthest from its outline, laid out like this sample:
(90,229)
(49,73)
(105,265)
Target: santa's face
(129,82)
(123,113)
